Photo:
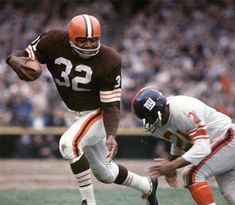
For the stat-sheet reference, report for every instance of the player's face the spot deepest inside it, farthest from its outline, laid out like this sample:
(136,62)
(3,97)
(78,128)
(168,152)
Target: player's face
(150,120)
(87,43)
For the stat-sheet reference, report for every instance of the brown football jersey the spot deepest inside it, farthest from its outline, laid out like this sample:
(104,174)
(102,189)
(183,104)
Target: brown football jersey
(83,84)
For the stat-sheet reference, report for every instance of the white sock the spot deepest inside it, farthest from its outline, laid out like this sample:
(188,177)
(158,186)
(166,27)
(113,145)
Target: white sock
(137,182)
(86,187)
(87,194)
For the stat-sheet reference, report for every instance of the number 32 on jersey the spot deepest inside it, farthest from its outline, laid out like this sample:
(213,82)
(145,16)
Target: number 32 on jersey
(76,80)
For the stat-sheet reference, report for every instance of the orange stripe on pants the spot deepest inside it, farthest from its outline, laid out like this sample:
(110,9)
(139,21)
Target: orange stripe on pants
(84,129)
(191,174)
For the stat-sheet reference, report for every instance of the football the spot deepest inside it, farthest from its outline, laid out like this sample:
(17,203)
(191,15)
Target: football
(35,69)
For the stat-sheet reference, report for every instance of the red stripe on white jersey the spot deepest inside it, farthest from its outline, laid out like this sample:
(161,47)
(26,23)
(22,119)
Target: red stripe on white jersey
(200,133)
(186,136)
(201,137)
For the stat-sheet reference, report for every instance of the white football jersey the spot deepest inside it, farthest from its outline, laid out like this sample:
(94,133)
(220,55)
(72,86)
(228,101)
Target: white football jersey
(191,127)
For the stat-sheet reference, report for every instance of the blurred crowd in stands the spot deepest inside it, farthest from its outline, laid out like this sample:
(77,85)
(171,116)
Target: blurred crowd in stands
(179,46)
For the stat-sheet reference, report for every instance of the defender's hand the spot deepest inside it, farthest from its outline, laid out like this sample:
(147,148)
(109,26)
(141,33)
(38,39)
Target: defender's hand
(112,147)
(171,179)
(161,167)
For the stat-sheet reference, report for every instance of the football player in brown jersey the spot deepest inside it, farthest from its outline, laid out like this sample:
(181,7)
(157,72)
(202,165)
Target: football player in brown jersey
(87,75)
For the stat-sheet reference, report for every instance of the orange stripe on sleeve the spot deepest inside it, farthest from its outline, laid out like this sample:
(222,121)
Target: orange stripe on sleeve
(199,133)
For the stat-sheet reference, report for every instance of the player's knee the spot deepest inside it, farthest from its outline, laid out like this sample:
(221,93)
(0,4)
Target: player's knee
(66,150)
(186,177)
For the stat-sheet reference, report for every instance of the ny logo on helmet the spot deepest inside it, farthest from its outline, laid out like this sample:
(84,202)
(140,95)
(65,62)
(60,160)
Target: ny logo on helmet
(149,104)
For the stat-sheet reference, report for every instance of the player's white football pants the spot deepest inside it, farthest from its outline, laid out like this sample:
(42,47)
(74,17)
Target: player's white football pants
(87,136)
(220,163)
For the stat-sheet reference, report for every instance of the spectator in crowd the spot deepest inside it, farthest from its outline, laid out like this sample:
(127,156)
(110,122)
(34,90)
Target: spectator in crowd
(178,51)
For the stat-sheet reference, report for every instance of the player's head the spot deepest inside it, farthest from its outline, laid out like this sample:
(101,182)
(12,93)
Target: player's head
(149,104)
(84,34)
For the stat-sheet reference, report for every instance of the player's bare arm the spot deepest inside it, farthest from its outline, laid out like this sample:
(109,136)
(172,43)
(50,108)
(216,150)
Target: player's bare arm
(111,120)
(111,109)
(171,177)
(24,67)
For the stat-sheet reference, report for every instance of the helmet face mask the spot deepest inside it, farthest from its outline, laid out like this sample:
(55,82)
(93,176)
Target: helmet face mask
(85,52)
(149,104)
(84,34)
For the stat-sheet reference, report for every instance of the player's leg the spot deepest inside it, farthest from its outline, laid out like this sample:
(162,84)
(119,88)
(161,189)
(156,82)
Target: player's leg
(82,172)
(202,193)
(110,172)
(226,178)
(226,182)
(93,144)
(219,161)
(71,150)
(195,180)
(147,185)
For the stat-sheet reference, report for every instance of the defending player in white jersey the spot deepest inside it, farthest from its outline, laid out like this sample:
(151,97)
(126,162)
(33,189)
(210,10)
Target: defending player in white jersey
(202,141)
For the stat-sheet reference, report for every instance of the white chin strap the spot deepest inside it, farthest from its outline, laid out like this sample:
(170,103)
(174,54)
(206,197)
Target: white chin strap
(152,127)
(85,53)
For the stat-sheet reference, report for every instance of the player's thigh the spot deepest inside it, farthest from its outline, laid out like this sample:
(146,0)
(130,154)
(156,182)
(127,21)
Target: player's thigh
(222,161)
(226,182)
(85,131)
(227,179)
(218,162)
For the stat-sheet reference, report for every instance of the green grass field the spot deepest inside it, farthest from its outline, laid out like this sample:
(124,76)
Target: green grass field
(104,197)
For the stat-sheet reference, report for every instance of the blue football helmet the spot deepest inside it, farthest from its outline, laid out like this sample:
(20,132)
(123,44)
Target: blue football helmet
(149,103)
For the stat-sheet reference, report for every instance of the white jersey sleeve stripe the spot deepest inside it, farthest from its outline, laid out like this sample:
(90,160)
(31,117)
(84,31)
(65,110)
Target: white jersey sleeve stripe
(110,91)
(30,52)
(203,132)
(110,96)
(111,100)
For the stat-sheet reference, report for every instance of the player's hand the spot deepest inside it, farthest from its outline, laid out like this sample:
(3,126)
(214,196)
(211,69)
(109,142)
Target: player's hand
(171,179)
(112,147)
(18,65)
(161,167)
